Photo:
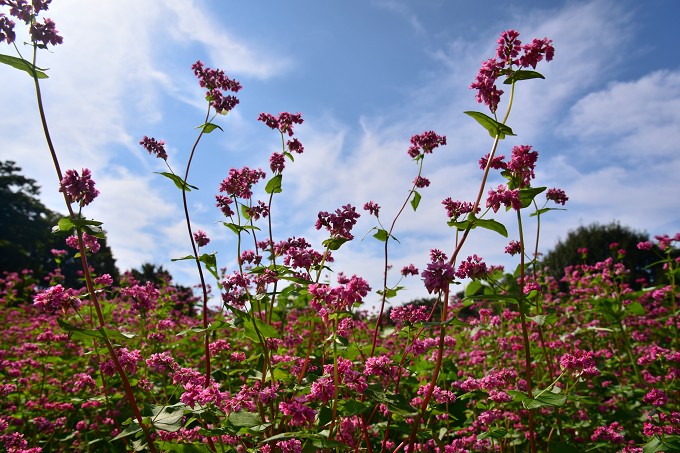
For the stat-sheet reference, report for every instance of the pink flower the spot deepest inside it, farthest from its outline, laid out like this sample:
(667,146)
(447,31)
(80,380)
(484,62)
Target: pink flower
(201,238)
(283,123)
(557,195)
(340,223)
(45,33)
(54,298)
(508,198)
(240,183)
(473,267)
(425,143)
(372,208)
(79,188)
(656,397)
(216,82)
(154,146)
(438,276)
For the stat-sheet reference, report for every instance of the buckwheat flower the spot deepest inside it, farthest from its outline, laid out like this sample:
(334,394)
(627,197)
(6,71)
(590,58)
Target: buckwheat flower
(154,146)
(300,415)
(438,276)
(91,243)
(372,208)
(646,245)
(522,164)
(473,267)
(79,188)
(454,209)
(409,270)
(46,33)
(224,204)
(380,366)
(421,182)
(513,248)
(497,163)
(142,298)
(57,252)
(259,210)
(277,162)
(201,238)
(295,146)
(425,143)
(509,47)
(508,198)
(340,223)
(536,51)
(283,123)
(239,183)
(557,195)
(54,298)
(485,84)
(290,446)
(104,280)
(216,82)
(656,397)
(611,433)
(7,29)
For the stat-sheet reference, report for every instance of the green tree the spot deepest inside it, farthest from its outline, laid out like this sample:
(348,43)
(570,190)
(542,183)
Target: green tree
(598,240)
(26,238)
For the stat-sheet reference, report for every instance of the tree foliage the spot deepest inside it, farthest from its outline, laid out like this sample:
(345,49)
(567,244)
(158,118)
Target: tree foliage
(26,238)
(599,242)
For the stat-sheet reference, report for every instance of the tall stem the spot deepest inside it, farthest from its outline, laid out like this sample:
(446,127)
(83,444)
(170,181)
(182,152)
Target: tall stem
(83,260)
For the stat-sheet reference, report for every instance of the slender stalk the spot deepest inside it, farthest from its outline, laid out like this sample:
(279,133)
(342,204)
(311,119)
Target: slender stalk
(83,260)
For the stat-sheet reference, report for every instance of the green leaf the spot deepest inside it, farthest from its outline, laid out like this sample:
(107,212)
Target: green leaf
(527,195)
(472,288)
(63,226)
(86,334)
(381,235)
(353,407)
(546,399)
(334,243)
(544,210)
(492,225)
(130,430)
(237,229)
(274,185)
(494,128)
(211,327)
(179,182)
(522,75)
(668,444)
(266,330)
(184,258)
(244,419)
(543,319)
(166,418)
(416,200)
(473,222)
(495,433)
(209,127)
(23,65)
(636,308)
(389,292)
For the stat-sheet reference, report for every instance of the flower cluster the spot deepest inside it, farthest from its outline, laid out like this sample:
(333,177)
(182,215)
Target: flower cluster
(283,123)
(439,273)
(454,209)
(340,223)
(327,299)
(42,33)
(425,143)
(240,183)
(507,57)
(201,238)
(154,146)
(216,83)
(79,188)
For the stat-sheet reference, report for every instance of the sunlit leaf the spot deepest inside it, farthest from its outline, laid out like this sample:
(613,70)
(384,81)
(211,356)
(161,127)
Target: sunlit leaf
(23,65)
(209,127)
(494,128)
(522,75)
(179,182)
(415,201)
(274,185)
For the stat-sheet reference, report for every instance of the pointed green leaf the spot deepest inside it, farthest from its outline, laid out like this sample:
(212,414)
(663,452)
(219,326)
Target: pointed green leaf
(416,200)
(546,399)
(274,185)
(527,195)
(492,225)
(381,235)
(494,128)
(211,327)
(244,419)
(166,418)
(237,229)
(184,258)
(209,127)
(473,288)
(23,65)
(179,182)
(522,75)
(334,243)
(102,332)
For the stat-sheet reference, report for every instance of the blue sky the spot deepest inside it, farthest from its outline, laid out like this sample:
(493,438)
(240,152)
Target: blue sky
(366,75)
